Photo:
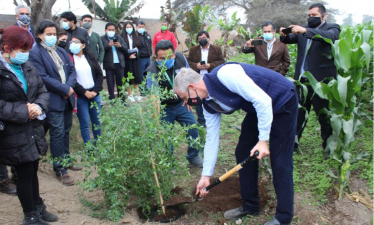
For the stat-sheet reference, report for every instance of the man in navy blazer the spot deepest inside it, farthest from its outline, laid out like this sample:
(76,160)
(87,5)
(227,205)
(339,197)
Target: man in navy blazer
(312,56)
(58,73)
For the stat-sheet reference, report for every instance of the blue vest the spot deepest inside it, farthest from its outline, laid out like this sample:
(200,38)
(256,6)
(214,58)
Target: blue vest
(279,88)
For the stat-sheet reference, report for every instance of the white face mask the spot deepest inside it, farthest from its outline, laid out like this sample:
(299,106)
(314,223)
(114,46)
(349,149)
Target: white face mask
(110,34)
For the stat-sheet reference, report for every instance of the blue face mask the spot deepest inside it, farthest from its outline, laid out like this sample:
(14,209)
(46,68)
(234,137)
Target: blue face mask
(168,63)
(141,30)
(110,34)
(129,30)
(65,25)
(75,48)
(50,41)
(268,36)
(21,58)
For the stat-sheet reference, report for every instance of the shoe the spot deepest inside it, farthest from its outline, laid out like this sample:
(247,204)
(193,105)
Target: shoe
(74,167)
(66,180)
(237,213)
(44,214)
(34,220)
(7,186)
(138,98)
(131,98)
(274,221)
(196,163)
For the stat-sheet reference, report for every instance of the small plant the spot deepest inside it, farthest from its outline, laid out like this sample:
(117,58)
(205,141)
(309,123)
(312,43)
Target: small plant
(132,152)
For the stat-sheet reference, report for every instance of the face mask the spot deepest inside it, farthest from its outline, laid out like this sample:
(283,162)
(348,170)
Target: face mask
(193,101)
(268,36)
(21,58)
(314,22)
(141,30)
(129,30)
(75,48)
(87,26)
(110,34)
(62,44)
(65,25)
(163,28)
(168,63)
(50,41)
(24,19)
(203,42)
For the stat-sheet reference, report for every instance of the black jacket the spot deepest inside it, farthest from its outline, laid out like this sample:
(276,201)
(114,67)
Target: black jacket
(97,75)
(22,139)
(108,56)
(317,62)
(145,45)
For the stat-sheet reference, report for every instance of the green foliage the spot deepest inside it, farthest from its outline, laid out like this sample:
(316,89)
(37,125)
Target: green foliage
(195,21)
(133,138)
(352,58)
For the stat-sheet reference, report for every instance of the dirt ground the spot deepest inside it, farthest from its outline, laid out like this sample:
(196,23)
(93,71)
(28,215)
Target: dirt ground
(64,201)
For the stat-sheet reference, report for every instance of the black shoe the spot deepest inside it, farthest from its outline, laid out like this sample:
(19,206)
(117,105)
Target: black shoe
(34,220)
(8,187)
(44,214)
(238,213)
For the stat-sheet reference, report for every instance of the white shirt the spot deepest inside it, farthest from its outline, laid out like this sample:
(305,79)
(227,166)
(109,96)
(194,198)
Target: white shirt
(269,47)
(204,57)
(130,41)
(84,72)
(244,86)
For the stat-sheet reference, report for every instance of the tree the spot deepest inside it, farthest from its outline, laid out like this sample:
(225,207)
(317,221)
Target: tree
(39,9)
(281,12)
(114,10)
(172,17)
(367,18)
(348,21)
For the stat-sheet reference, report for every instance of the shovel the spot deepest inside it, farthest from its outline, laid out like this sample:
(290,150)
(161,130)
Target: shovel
(221,178)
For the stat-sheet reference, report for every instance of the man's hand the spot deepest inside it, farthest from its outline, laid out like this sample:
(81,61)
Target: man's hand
(248,44)
(199,66)
(207,66)
(111,43)
(203,183)
(281,33)
(71,91)
(117,44)
(296,29)
(263,149)
(189,108)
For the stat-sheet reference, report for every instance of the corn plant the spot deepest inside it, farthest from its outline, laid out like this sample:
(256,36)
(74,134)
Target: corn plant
(353,56)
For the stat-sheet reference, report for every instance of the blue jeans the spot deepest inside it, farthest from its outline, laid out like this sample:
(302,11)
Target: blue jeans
(143,64)
(85,113)
(184,117)
(281,143)
(60,124)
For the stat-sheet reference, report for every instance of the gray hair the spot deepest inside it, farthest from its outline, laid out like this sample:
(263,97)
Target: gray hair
(22,7)
(185,77)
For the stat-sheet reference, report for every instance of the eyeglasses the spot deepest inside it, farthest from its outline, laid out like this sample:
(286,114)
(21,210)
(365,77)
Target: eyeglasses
(76,42)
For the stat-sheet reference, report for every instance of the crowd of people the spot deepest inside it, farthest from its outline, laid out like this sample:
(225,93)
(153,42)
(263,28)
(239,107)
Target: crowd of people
(46,71)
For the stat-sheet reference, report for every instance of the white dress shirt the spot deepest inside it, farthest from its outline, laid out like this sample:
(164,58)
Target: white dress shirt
(244,86)
(204,57)
(129,37)
(269,46)
(84,72)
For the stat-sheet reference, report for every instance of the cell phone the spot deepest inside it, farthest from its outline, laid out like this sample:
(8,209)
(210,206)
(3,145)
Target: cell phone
(115,39)
(202,62)
(257,42)
(287,30)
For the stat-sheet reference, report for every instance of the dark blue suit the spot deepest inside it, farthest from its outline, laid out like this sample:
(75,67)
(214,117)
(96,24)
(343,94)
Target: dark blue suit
(60,115)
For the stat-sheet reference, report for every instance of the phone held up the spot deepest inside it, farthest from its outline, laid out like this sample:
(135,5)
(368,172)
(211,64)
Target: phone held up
(115,39)
(202,62)
(257,42)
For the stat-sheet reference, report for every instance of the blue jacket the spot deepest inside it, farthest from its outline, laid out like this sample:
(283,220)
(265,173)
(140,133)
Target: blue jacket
(279,88)
(48,71)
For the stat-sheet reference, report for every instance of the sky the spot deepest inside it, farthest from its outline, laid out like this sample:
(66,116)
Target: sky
(151,8)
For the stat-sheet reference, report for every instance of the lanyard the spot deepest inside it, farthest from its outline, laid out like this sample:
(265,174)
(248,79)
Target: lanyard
(168,78)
